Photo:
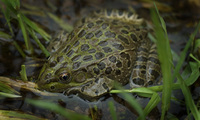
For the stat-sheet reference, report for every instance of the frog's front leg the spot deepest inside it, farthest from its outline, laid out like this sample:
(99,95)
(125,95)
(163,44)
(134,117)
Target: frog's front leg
(95,87)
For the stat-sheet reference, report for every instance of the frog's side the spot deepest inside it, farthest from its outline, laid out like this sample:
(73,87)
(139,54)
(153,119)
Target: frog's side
(107,46)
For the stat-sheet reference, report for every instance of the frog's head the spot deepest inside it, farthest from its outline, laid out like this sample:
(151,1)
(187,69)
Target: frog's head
(60,79)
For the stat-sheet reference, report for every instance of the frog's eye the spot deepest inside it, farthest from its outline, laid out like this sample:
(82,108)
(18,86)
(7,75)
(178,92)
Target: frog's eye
(65,77)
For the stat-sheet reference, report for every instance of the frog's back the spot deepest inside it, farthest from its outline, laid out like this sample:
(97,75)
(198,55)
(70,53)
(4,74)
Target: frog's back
(103,45)
(109,45)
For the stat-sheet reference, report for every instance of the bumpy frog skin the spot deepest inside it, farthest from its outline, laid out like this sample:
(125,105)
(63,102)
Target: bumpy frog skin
(106,47)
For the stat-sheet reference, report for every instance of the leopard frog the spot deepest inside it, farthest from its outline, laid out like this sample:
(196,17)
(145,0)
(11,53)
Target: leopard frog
(107,46)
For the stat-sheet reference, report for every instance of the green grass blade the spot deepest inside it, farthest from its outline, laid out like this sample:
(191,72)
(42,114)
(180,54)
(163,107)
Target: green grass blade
(194,75)
(34,26)
(6,88)
(5,36)
(155,99)
(23,73)
(61,23)
(15,4)
(23,28)
(8,95)
(188,98)
(7,14)
(183,54)
(15,115)
(112,110)
(58,109)
(44,50)
(164,53)
(19,49)
(134,104)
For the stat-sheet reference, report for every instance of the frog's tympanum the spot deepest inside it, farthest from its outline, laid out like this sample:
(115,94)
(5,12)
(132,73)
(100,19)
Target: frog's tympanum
(107,46)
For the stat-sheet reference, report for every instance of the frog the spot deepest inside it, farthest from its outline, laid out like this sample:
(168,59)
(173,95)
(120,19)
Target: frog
(105,47)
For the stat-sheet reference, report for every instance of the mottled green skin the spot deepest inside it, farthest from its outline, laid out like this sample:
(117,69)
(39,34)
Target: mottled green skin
(106,47)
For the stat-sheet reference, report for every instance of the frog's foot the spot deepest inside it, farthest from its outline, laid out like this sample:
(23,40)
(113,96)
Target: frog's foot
(94,88)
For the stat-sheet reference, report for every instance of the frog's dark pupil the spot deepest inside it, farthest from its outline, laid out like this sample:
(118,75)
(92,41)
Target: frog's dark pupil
(65,77)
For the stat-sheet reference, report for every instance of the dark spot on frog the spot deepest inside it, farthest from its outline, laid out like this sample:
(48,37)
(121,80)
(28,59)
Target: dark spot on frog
(96,80)
(120,12)
(143,49)
(153,52)
(130,14)
(105,25)
(123,39)
(96,71)
(48,76)
(98,34)
(64,65)
(124,31)
(109,34)
(129,63)
(76,65)
(82,89)
(103,43)
(154,60)
(119,64)
(89,36)
(82,33)
(76,44)
(127,27)
(133,37)
(60,58)
(150,82)
(118,46)
(84,47)
(105,86)
(112,59)
(47,81)
(71,35)
(141,58)
(66,49)
(124,55)
(107,49)
(52,87)
(109,12)
(117,72)
(140,67)
(96,92)
(89,83)
(138,81)
(115,22)
(101,65)
(87,58)
(84,70)
(92,50)
(99,22)
(99,55)
(108,70)
(53,64)
(75,58)
(83,20)
(69,54)
(137,29)
(154,73)
(98,11)
(143,71)
(140,37)
(90,25)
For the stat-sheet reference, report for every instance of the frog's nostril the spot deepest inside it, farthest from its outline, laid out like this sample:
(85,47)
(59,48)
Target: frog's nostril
(52,87)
